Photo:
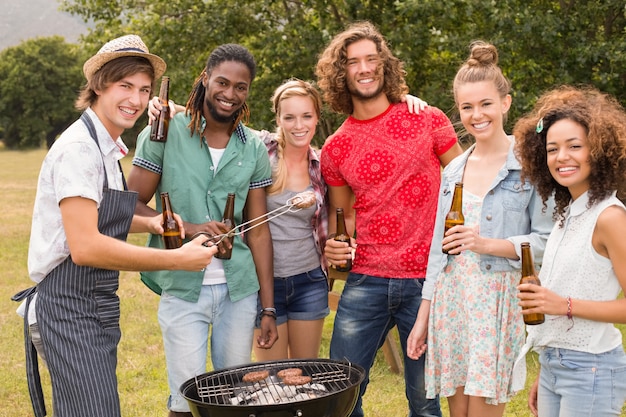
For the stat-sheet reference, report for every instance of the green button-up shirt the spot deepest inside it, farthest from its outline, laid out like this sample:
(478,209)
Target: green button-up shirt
(198,191)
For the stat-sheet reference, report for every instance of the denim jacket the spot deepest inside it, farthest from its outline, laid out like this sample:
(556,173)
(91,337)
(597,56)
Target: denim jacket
(511,210)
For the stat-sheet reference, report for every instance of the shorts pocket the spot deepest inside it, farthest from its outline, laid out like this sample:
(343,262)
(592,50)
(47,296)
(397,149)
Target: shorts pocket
(316,275)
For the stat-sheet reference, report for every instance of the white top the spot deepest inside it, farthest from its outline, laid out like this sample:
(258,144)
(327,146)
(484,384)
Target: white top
(572,267)
(214,272)
(72,168)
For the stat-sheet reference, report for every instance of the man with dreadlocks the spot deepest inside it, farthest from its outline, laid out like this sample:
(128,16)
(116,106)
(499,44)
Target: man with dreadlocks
(210,153)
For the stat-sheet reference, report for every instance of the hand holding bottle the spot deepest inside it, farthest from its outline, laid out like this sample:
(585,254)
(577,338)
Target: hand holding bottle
(338,253)
(154,109)
(538,299)
(160,127)
(172,236)
(454,218)
(212,230)
(226,250)
(143,223)
(529,276)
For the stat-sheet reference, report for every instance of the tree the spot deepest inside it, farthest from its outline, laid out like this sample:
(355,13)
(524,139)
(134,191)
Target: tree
(542,43)
(39,80)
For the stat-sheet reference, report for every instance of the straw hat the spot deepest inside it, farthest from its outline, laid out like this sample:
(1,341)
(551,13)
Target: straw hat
(129,45)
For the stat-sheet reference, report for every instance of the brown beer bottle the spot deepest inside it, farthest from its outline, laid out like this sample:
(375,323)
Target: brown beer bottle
(171,231)
(229,221)
(455,215)
(529,276)
(158,132)
(342,236)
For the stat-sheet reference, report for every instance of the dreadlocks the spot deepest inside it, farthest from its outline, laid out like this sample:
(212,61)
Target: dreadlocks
(195,103)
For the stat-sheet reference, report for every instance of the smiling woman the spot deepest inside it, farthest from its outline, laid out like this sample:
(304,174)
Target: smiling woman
(488,253)
(573,146)
(300,284)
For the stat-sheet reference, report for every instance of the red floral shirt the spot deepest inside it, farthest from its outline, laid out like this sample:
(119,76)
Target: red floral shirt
(391,162)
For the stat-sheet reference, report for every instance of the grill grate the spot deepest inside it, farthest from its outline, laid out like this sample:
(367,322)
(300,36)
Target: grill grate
(228,388)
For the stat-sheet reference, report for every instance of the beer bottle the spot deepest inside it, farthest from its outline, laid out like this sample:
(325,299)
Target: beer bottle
(158,132)
(529,276)
(342,236)
(229,221)
(455,215)
(171,231)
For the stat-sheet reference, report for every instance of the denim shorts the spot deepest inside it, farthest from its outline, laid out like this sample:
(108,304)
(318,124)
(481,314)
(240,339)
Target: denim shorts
(301,297)
(581,384)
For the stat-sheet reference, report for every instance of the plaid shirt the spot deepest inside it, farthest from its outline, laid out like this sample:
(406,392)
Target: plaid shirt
(319,222)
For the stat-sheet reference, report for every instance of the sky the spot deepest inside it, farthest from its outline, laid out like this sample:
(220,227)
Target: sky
(25,19)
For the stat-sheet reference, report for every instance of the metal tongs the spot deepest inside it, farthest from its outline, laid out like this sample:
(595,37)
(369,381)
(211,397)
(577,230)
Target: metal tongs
(296,203)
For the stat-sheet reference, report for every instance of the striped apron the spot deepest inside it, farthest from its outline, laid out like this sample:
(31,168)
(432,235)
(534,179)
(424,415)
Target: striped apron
(78,314)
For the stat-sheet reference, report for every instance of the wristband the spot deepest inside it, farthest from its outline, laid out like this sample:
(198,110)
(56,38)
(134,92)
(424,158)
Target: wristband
(569,312)
(268,314)
(569,307)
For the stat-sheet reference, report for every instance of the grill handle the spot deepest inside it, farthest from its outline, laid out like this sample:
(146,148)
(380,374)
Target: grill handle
(298,414)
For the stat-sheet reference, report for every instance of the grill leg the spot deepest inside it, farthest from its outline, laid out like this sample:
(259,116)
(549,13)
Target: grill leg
(179,414)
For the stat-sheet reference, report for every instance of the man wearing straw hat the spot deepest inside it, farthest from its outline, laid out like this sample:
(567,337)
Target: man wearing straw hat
(82,215)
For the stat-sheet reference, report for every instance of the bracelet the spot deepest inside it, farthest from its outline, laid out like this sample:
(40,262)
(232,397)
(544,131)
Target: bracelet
(270,309)
(268,314)
(569,307)
(569,313)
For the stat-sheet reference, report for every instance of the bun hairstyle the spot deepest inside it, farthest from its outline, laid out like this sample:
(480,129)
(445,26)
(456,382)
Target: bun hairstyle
(482,65)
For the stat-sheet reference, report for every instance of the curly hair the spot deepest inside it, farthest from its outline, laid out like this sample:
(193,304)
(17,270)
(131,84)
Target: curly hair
(290,88)
(604,120)
(223,53)
(331,67)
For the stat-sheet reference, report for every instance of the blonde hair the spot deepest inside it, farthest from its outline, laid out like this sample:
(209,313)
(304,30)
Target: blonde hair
(291,88)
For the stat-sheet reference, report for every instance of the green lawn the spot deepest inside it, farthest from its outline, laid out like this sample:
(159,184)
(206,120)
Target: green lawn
(141,368)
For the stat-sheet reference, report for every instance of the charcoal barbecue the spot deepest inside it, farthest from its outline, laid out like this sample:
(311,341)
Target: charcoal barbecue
(331,392)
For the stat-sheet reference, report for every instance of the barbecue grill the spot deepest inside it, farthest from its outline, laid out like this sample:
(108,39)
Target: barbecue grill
(331,392)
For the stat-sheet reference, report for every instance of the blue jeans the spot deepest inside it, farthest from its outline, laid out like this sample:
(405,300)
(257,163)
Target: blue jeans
(300,297)
(580,384)
(185,327)
(369,307)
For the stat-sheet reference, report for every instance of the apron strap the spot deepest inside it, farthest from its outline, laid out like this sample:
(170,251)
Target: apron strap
(32,362)
(92,132)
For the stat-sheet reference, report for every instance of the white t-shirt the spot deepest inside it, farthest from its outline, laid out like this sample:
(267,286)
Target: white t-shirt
(214,272)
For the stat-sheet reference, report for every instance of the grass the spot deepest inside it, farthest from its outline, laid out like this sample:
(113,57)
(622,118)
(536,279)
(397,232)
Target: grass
(141,363)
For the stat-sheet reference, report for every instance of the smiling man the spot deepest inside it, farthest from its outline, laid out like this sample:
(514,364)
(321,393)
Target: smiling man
(209,154)
(388,160)
(82,215)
